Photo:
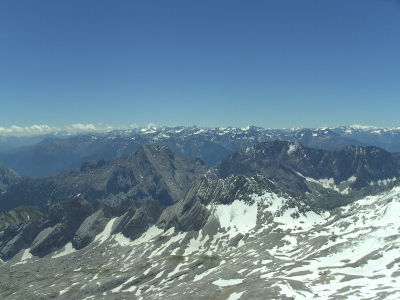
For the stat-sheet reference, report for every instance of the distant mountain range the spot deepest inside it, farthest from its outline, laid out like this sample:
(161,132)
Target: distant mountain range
(386,138)
(55,154)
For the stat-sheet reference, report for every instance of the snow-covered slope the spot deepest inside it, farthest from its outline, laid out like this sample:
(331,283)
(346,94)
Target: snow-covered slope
(264,246)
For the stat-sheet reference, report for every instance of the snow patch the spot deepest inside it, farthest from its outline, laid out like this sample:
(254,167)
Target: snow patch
(292,148)
(68,249)
(25,256)
(103,236)
(227,282)
(238,216)
(329,183)
(235,296)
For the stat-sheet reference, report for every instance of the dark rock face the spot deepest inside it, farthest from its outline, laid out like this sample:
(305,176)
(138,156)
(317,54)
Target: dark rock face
(367,164)
(17,237)
(64,220)
(152,171)
(286,163)
(7,178)
(138,217)
(90,227)
(19,215)
(272,160)
(53,231)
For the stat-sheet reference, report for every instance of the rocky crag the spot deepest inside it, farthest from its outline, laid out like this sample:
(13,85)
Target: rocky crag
(7,178)
(151,171)
(331,178)
(327,178)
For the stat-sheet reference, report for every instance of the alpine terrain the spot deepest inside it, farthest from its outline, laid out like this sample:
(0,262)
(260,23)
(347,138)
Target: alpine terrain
(271,219)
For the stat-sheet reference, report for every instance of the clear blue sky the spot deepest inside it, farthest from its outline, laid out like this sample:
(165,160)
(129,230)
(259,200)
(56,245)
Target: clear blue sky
(271,63)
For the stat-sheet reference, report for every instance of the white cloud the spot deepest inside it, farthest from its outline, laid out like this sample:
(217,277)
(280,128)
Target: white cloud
(28,130)
(72,129)
(81,127)
(41,129)
(78,127)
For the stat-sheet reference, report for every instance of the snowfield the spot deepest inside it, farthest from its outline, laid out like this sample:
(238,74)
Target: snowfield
(262,248)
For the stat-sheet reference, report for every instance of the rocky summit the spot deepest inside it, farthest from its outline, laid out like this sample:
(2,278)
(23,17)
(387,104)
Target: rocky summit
(329,178)
(151,171)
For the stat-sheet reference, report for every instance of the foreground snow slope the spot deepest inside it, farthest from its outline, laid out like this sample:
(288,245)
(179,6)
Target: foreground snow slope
(263,248)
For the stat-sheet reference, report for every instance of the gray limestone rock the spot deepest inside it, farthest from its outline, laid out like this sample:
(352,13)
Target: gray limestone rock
(17,237)
(192,214)
(93,225)
(138,218)
(48,239)
(77,221)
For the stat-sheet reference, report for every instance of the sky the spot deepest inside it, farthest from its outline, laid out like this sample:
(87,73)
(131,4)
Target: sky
(273,64)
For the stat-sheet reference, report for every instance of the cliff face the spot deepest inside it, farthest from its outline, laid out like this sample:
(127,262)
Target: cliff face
(193,212)
(7,178)
(152,171)
(346,174)
(77,221)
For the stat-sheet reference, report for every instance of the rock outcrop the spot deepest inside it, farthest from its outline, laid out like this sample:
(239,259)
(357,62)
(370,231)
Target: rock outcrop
(77,221)
(192,213)
(7,178)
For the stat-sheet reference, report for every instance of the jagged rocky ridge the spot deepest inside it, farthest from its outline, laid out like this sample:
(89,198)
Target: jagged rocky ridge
(331,178)
(79,221)
(152,171)
(254,241)
(191,213)
(327,178)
